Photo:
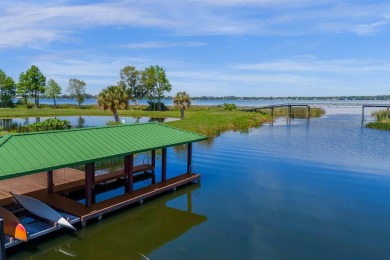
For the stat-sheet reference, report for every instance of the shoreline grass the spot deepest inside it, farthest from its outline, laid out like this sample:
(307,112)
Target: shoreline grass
(210,121)
(382,121)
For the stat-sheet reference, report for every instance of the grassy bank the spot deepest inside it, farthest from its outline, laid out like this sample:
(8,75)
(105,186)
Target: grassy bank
(210,121)
(382,121)
(384,125)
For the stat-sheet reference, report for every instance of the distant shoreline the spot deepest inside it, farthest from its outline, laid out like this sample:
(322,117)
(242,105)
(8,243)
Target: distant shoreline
(217,102)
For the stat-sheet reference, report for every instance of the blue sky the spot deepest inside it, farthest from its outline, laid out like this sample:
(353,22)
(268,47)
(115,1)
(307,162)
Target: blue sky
(208,47)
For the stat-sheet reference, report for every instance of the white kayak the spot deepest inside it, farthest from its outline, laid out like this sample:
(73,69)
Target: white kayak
(42,210)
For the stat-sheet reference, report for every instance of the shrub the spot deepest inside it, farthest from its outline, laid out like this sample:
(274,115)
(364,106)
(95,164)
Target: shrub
(379,125)
(229,107)
(111,123)
(47,125)
(156,105)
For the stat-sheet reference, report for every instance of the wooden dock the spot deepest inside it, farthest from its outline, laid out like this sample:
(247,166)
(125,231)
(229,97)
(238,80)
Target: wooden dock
(69,179)
(98,209)
(37,182)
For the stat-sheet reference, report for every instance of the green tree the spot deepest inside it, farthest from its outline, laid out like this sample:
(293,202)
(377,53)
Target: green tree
(76,90)
(148,80)
(33,83)
(53,90)
(113,98)
(23,88)
(131,79)
(7,89)
(156,84)
(182,99)
(163,84)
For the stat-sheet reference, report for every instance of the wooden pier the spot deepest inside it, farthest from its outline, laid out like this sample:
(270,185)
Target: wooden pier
(75,208)
(319,105)
(69,179)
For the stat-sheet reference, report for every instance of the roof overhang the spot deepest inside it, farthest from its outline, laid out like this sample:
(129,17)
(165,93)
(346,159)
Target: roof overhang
(27,153)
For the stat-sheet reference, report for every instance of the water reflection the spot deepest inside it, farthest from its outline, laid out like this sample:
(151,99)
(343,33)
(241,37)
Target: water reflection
(142,229)
(13,124)
(81,122)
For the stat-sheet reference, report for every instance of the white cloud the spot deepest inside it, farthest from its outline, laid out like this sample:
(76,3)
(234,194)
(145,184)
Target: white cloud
(160,45)
(24,23)
(312,65)
(369,29)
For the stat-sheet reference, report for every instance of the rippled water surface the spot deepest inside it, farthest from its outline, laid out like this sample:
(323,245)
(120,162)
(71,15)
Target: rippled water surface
(317,190)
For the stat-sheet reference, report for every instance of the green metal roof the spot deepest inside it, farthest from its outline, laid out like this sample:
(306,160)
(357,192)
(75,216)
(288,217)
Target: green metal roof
(27,153)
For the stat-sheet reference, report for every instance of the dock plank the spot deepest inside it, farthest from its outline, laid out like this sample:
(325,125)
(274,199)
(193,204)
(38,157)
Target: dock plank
(77,209)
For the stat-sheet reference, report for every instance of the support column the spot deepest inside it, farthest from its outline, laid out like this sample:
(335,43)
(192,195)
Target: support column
(129,171)
(89,184)
(2,239)
(164,165)
(189,158)
(50,184)
(154,158)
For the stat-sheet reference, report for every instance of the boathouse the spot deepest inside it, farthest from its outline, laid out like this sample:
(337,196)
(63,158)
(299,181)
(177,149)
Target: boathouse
(42,165)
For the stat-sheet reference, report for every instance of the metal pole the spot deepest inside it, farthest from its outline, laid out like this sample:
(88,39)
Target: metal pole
(2,240)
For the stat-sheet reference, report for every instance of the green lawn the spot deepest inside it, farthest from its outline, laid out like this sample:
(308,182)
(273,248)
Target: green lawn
(210,121)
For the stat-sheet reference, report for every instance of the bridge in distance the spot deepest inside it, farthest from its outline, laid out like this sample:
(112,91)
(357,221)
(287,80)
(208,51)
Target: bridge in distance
(289,106)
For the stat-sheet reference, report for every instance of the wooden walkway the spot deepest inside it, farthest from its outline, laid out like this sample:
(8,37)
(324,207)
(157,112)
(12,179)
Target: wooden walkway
(69,179)
(35,182)
(65,180)
(77,209)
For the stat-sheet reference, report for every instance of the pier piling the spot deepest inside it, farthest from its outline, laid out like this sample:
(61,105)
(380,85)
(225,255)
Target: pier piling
(2,240)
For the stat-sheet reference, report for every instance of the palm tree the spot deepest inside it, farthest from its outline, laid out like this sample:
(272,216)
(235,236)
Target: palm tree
(113,98)
(182,99)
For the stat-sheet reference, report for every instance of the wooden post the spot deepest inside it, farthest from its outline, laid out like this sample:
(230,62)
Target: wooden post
(2,239)
(189,158)
(362,115)
(89,184)
(154,158)
(164,165)
(129,171)
(272,115)
(50,184)
(387,113)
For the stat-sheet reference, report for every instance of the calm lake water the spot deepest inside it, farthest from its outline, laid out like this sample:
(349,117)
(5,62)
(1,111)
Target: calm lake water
(317,190)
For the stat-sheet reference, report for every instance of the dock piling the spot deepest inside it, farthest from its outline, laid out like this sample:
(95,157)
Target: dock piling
(2,240)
